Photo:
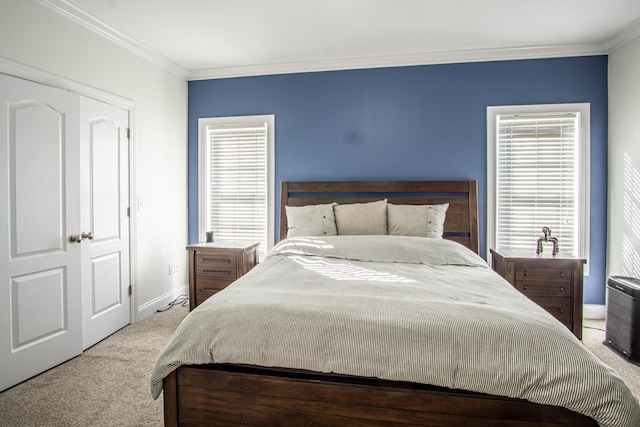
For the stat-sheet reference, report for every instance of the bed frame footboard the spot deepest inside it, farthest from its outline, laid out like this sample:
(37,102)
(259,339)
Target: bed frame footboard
(231,395)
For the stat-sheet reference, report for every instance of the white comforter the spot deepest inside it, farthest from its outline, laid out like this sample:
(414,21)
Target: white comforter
(399,308)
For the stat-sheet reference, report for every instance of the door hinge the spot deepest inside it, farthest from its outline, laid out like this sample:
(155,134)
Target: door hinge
(128,133)
(130,290)
(129,211)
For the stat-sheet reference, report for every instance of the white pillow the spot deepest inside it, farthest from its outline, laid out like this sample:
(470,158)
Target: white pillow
(311,220)
(417,220)
(362,218)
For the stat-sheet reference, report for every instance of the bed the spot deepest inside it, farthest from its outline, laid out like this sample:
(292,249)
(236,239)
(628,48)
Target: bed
(280,346)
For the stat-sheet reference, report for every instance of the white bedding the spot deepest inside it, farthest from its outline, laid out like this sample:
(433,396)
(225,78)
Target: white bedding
(399,308)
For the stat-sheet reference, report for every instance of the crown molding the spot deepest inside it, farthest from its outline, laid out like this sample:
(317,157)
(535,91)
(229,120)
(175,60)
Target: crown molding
(76,14)
(428,58)
(628,34)
(81,17)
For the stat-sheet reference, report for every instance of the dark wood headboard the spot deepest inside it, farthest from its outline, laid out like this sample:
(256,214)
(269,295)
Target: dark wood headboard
(461,223)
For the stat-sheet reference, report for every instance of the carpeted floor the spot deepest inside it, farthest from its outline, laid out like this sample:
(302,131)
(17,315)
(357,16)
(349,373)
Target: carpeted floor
(108,385)
(592,337)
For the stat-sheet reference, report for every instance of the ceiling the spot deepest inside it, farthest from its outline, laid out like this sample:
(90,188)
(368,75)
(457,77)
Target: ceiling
(221,38)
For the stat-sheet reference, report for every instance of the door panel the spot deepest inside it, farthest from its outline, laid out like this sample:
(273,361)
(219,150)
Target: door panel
(105,171)
(106,283)
(40,304)
(39,296)
(106,301)
(38,205)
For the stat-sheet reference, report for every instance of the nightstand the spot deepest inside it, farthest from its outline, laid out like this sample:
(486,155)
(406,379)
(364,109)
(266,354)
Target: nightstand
(215,265)
(553,282)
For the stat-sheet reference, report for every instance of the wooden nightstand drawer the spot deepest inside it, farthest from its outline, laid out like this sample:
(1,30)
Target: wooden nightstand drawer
(536,274)
(207,287)
(542,288)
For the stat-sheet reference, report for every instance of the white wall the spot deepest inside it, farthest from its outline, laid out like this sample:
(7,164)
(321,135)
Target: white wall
(623,241)
(34,36)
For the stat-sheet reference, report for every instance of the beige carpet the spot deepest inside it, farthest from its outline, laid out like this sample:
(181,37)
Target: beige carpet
(108,385)
(593,335)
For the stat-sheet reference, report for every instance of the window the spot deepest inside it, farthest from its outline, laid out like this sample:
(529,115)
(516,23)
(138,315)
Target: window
(538,176)
(236,179)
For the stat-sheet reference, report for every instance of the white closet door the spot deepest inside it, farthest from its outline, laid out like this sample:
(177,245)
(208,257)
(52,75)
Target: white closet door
(40,305)
(105,224)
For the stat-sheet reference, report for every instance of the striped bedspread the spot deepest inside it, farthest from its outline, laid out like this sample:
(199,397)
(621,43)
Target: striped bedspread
(398,308)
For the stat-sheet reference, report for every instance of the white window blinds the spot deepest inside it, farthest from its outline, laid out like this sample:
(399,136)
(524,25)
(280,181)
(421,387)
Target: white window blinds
(538,180)
(237,178)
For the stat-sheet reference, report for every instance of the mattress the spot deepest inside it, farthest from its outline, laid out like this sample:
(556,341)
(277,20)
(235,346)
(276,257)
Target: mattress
(398,308)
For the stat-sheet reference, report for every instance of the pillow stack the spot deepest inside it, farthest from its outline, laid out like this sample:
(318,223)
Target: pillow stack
(373,218)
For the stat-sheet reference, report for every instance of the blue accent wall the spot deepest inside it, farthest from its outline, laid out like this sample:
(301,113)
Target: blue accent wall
(408,123)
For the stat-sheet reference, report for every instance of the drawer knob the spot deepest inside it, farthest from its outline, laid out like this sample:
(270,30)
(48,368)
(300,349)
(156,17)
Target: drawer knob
(562,310)
(524,287)
(561,289)
(562,274)
(525,273)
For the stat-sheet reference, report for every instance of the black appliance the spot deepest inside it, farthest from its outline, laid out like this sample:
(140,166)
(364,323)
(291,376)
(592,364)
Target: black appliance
(623,316)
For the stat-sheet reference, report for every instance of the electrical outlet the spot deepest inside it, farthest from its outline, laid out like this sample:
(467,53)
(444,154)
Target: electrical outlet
(170,269)
(175,268)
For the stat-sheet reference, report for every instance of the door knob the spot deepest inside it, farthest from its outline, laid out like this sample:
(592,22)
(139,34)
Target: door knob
(88,235)
(75,238)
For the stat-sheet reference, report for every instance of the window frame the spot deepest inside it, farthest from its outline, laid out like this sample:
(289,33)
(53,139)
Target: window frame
(203,169)
(584,148)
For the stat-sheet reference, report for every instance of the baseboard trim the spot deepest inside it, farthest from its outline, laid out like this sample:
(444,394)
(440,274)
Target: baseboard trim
(150,307)
(594,311)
